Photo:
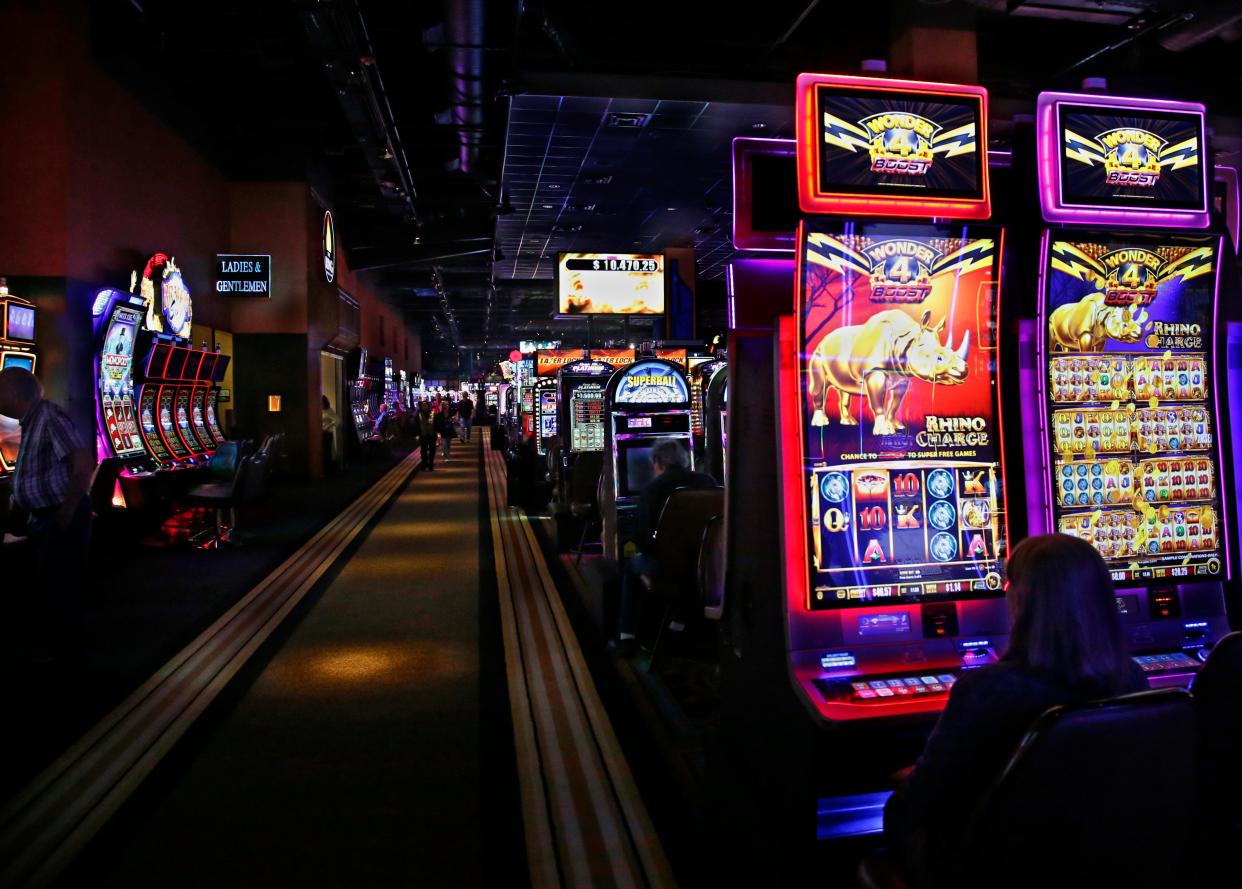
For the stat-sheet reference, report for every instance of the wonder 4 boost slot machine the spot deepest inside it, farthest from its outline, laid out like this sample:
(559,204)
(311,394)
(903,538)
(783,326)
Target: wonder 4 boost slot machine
(1130,437)
(895,523)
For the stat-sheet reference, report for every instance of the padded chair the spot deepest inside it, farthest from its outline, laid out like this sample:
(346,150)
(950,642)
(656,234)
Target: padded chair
(1217,693)
(1097,794)
(585,477)
(245,486)
(676,544)
(712,568)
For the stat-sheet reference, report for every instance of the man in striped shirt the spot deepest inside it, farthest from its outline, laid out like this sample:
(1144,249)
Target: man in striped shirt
(51,481)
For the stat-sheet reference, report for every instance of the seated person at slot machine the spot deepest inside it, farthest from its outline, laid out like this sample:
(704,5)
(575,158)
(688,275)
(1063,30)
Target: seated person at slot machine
(671,464)
(1065,647)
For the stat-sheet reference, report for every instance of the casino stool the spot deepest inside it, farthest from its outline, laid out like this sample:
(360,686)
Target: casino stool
(676,545)
(1097,794)
(1217,693)
(712,568)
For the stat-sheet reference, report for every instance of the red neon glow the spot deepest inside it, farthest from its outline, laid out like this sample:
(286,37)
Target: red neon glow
(806,129)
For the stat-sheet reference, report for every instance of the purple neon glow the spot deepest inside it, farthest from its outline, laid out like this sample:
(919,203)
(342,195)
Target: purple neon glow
(745,237)
(1035,456)
(1049,162)
(1233,211)
(1233,353)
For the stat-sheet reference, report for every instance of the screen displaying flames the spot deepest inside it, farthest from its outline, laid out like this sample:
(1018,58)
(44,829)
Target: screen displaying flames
(610,284)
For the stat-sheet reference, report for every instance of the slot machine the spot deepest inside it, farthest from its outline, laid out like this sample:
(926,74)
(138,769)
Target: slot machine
(716,419)
(17,349)
(645,403)
(545,412)
(698,372)
(890,418)
(1128,434)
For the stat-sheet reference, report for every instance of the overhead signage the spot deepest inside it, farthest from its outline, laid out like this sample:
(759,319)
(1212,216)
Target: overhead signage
(549,361)
(677,356)
(244,274)
(536,345)
(329,247)
(610,284)
(171,311)
(651,382)
(615,357)
(873,147)
(1111,160)
(588,367)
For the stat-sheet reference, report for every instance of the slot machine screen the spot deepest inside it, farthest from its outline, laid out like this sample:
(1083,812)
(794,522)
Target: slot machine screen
(901,434)
(586,417)
(1129,391)
(547,414)
(21,322)
(635,469)
(176,364)
(897,142)
(24,360)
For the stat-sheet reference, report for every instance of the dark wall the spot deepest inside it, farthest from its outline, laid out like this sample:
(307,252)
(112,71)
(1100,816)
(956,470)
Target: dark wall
(275,364)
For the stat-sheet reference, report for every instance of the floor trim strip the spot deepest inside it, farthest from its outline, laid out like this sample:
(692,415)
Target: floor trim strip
(586,824)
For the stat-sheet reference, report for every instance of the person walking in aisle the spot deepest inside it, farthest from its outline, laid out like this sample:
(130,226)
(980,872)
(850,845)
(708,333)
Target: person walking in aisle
(426,426)
(445,428)
(465,410)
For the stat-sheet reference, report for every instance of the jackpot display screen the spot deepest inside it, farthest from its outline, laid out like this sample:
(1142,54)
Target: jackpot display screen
(20,322)
(1129,389)
(610,284)
(901,434)
(1131,159)
(893,141)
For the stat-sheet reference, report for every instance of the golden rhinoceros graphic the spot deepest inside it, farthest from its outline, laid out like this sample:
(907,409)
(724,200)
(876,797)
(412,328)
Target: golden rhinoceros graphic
(1085,326)
(878,358)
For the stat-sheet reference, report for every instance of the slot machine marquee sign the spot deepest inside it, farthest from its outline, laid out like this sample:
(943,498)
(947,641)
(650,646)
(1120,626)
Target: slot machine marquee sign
(1130,402)
(898,442)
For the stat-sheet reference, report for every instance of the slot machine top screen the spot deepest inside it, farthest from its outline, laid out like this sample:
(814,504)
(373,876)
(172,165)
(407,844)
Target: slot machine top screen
(1130,161)
(889,147)
(900,464)
(1130,398)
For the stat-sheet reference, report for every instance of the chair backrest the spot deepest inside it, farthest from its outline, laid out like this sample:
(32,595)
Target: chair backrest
(251,485)
(1218,695)
(712,568)
(1104,792)
(584,478)
(102,487)
(679,534)
(225,462)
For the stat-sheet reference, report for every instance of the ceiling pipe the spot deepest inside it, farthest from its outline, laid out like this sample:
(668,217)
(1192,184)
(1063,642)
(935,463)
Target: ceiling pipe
(464,21)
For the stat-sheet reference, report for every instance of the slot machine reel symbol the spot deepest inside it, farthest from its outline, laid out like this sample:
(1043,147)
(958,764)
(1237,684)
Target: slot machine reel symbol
(871,485)
(874,553)
(908,517)
(872,518)
(835,487)
(973,485)
(940,483)
(835,521)
(906,485)
(941,515)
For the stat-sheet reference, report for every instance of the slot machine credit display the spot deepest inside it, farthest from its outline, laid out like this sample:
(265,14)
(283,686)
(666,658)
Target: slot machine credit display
(1130,401)
(901,465)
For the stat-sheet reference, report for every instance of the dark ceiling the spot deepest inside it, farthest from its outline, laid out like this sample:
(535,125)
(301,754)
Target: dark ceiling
(439,131)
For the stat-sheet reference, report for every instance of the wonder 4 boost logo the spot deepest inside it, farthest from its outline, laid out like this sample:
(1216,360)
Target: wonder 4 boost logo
(1131,156)
(899,142)
(901,270)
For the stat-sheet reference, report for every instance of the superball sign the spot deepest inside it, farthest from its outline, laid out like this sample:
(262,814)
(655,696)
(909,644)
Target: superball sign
(244,274)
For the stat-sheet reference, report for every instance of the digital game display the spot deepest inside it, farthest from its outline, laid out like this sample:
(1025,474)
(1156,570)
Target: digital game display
(610,284)
(586,417)
(547,415)
(901,433)
(1131,158)
(876,141)
(20,324)
(651,382)
(639,470)
(1130,397)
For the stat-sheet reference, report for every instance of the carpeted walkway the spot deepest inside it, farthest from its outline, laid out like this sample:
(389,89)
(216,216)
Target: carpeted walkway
(353,759)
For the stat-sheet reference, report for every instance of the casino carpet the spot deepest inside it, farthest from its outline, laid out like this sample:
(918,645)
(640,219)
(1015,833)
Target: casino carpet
(353,757)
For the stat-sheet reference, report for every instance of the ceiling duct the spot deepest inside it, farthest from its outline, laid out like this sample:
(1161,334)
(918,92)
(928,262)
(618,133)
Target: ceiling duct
(464,20)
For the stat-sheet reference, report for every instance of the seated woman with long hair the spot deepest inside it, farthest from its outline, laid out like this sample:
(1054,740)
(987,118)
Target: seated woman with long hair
(1065,647)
